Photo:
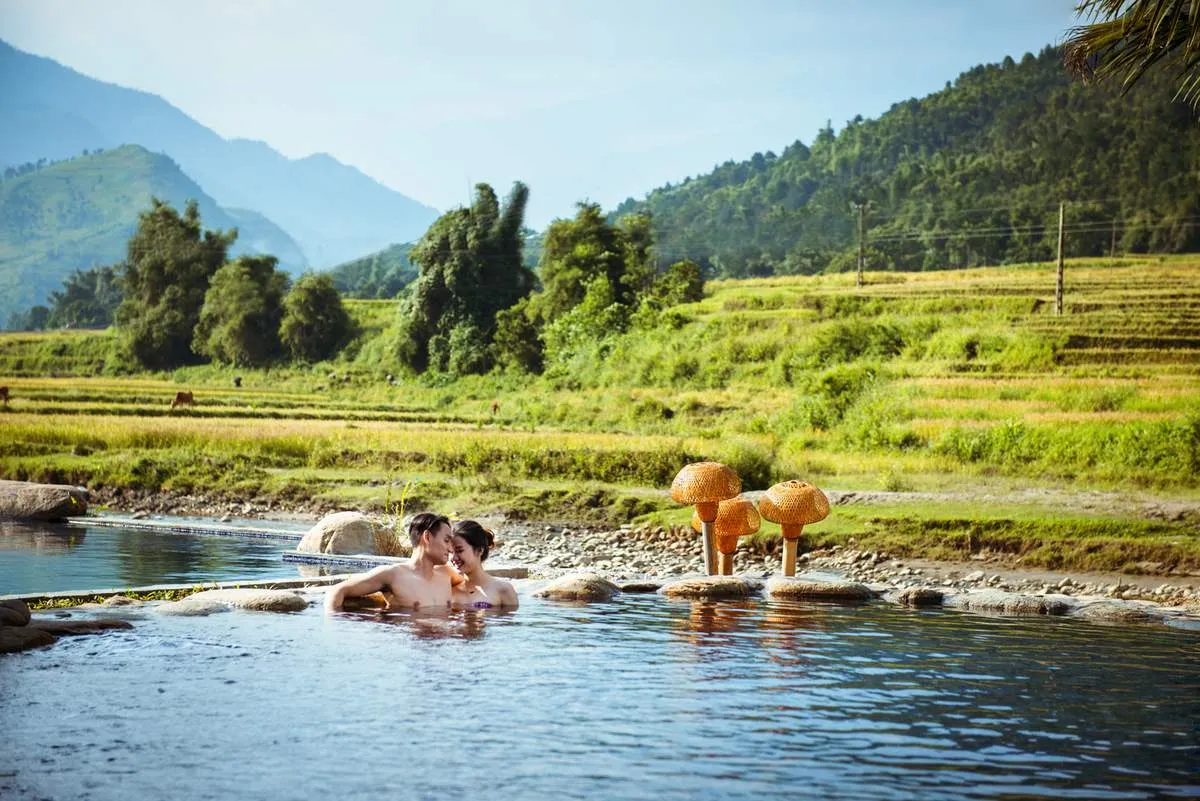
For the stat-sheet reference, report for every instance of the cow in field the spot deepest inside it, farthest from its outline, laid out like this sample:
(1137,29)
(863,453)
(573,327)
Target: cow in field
(4,396)
(183,399)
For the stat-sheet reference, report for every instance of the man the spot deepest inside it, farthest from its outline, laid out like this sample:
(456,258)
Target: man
(423,583)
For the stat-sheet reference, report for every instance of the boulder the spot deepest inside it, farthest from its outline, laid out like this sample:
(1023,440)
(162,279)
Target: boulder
(809,589)
(1113,612)
(579,587)
(1010,603)
(712,588)
(22,638)
(342,533)
(642,586)
(210,601)
(68,628)
(13,613)
(21,500)
(119,600)
(919,596)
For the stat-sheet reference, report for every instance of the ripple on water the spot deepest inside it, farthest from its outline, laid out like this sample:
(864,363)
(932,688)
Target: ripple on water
(637,699)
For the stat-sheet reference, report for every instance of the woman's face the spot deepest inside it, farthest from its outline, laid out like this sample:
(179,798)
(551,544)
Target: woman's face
(464,557)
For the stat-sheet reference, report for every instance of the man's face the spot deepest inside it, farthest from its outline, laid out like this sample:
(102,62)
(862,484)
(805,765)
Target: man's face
(437,544)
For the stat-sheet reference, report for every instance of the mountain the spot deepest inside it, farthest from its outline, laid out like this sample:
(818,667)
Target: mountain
(379,275)
(969,175)
(384,273)
(80,213)
(333,211)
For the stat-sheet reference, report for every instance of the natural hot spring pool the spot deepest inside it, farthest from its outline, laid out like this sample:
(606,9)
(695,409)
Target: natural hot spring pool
(641,698)
(84,556)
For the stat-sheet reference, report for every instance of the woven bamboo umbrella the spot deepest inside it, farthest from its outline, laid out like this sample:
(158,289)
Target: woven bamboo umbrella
(793,505)
(706,484)
(736,517)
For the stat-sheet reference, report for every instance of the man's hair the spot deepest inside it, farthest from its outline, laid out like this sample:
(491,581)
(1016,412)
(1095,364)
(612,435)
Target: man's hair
(426,521)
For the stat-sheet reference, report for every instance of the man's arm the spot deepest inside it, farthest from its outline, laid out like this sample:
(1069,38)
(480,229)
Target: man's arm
(356,586)
(456,578)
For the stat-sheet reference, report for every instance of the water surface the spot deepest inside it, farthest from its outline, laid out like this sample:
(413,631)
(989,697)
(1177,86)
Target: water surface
(46,558)
(643,698)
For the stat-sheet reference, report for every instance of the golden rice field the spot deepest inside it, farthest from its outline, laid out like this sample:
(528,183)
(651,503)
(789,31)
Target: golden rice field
(952,381)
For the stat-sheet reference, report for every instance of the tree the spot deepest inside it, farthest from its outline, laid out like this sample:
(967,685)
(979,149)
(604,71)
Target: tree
(470,270)
(34,319)
(574,252)
(315,323)
(517,342)
(169,263)
(88,298)
(683,282)
(1126,38)
(240,320)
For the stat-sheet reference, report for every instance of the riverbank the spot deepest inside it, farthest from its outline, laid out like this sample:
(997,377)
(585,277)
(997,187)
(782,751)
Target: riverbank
(656,551)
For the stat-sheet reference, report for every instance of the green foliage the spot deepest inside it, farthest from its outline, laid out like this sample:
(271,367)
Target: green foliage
(88,299)
(315,323)
(828,395)
(967,176)
(517,342)
(1126,38)
(574,253)
(597,315)
(167,271)
(239,322)
(683,282)
(36,318)
(470,262)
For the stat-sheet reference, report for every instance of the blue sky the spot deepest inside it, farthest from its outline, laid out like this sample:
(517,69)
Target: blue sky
(580,100)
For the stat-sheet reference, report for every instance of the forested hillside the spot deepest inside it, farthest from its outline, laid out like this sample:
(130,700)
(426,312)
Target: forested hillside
(969,175)
(80,213)
(379,275)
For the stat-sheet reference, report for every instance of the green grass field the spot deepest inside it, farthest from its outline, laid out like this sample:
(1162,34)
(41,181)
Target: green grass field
(960,381)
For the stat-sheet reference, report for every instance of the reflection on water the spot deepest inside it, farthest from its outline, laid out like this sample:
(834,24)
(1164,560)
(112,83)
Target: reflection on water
(460,624)
(42,538)
(641,698)
(48,557)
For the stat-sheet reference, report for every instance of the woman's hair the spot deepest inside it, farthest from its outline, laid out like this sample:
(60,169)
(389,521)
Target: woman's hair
(478,537)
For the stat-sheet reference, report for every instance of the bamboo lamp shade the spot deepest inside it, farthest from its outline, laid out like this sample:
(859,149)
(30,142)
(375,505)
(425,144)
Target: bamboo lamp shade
(794,504)
(736,517)
(705,484)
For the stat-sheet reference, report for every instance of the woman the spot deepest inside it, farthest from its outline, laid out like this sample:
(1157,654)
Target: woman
(470,545)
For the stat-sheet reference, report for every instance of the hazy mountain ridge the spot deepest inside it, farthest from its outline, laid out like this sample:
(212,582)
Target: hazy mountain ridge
(334,211)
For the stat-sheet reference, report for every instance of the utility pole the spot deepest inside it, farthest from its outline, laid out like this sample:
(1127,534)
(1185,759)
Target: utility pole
(1112,250)
(861,208)
(1058,289)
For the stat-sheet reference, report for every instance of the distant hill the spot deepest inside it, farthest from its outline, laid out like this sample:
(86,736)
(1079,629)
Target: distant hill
(385,273)
(966,176)
(80,213)
(333,211)
(379,275)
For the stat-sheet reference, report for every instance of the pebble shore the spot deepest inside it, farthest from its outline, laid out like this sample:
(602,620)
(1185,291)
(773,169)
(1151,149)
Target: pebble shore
(632,553)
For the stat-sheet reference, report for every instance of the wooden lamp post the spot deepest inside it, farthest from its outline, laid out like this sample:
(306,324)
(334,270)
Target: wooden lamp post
(793,505)
(706,484)
(736,517)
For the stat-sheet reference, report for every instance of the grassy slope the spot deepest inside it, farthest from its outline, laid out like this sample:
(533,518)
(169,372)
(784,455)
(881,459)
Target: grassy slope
(962,382)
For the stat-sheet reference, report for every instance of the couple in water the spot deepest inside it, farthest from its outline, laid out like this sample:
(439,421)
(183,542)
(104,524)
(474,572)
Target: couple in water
(427,582)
